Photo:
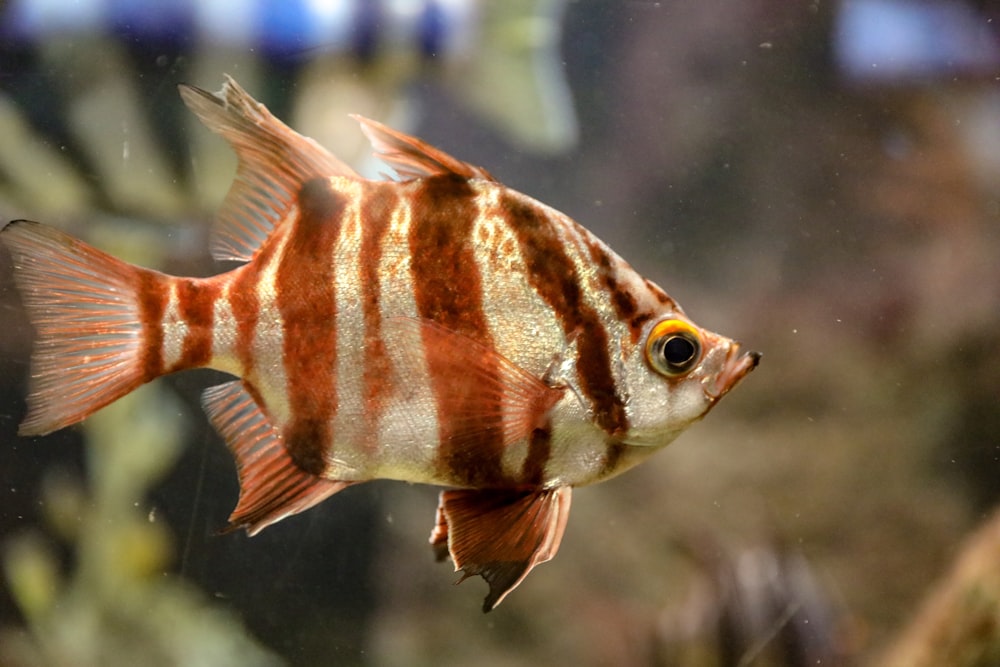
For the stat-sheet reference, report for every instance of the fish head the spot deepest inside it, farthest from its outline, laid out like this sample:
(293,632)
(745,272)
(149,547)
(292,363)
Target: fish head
(679,371)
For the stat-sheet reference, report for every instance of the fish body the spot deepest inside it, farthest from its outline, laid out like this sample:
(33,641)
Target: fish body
(441,329)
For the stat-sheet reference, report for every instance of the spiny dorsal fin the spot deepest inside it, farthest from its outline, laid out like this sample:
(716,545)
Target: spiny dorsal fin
(274,162)
(411,157)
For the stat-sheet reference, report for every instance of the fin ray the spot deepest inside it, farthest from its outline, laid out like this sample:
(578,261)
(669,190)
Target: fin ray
(84,306)
(500,535)
(412,158)
(272,487)
(273,163)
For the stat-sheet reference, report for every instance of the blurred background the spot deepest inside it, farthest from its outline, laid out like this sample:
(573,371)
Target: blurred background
(820,180)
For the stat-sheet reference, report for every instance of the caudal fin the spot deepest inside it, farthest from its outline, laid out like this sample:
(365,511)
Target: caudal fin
(85,308)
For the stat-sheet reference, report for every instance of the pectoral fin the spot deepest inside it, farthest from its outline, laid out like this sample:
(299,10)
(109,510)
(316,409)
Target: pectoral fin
(499,534)
(488,401)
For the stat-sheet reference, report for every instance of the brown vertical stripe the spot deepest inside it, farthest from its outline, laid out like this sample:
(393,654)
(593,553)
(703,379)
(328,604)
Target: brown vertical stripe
(153,294)
(245,303)
(306,300)
(660,295)
(553,276)
(539,453)
(613,455)
(626,309)
(379,202)
(448,290)
(622,299)
(196,304)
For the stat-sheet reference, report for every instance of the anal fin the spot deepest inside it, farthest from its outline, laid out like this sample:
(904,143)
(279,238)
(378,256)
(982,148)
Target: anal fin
(272,486)
(500,534)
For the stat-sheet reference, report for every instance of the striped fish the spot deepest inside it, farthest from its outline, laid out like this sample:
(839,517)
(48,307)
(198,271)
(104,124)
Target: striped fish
(440,329)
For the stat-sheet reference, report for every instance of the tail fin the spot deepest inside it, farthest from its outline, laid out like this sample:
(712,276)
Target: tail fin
(85,307)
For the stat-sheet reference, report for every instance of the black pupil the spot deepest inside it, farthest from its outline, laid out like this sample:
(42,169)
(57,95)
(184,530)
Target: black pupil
(678,350)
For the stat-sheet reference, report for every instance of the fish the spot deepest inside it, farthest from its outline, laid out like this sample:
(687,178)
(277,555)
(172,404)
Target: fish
(436,327)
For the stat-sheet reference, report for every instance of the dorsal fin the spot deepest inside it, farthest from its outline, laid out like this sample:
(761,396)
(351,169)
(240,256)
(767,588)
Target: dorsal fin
(411,157)
(274,162)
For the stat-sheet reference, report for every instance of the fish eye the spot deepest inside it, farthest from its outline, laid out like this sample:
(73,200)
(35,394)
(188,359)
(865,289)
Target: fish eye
(673,348)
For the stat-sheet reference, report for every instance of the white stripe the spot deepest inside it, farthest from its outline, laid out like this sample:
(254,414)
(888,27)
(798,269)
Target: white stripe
(174,329)
(349,421)
(523,326)
(408,430)
(268,345)
(224,333)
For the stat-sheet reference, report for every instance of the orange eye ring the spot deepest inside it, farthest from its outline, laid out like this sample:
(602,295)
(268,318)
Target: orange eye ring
(673,348)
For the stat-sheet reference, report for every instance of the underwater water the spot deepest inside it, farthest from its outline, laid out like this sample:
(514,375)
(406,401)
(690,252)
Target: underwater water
(844,224)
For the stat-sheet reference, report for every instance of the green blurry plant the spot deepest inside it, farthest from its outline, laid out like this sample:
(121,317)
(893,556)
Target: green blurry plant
(117,606)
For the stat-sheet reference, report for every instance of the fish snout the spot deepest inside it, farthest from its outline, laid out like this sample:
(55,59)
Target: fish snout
(737,365)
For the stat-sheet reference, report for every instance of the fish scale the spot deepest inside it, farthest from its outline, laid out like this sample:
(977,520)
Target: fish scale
(440,329)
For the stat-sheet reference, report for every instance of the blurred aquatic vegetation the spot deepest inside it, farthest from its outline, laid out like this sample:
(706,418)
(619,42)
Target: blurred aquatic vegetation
(116,606)
(959,623)
(970,440)
(764,606)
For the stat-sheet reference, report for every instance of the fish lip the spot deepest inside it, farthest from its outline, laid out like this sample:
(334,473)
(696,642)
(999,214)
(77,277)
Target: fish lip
(735,368)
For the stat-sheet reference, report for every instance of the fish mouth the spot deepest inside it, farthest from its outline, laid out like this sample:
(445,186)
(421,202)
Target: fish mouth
(734,369)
